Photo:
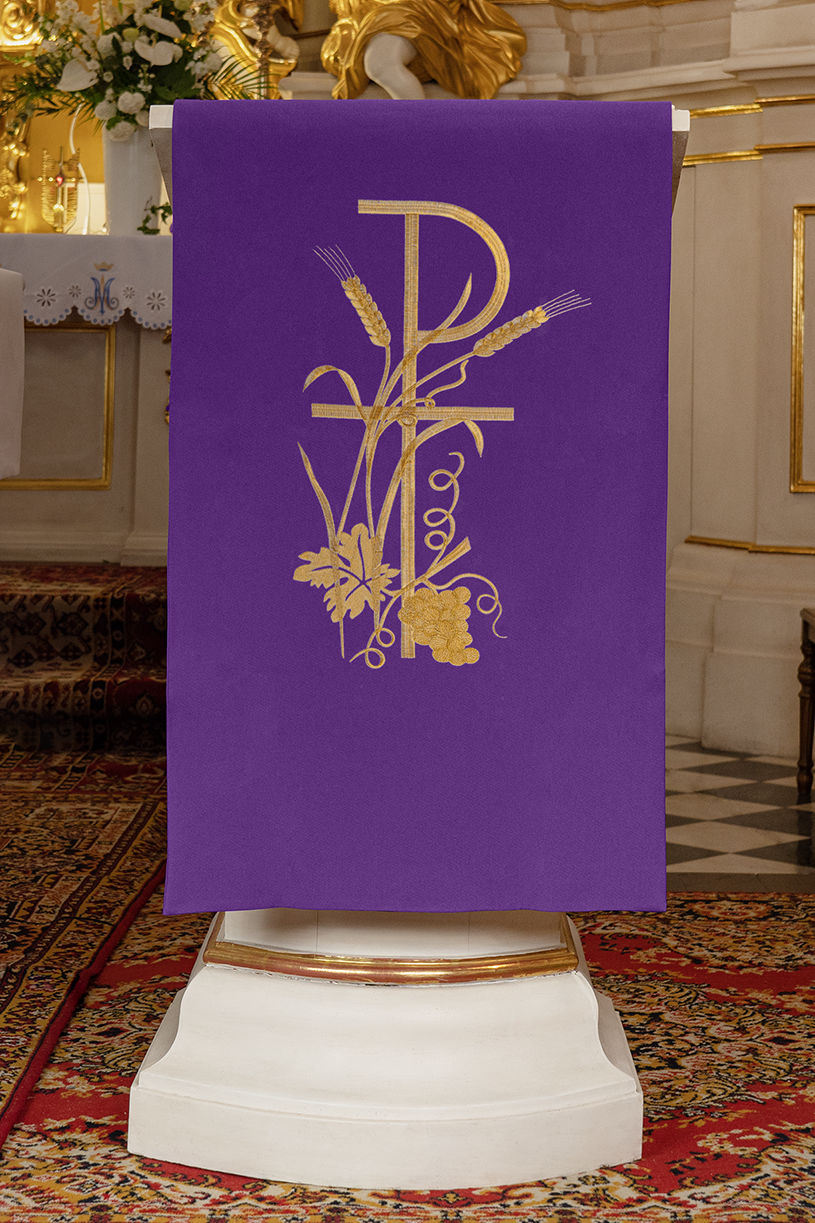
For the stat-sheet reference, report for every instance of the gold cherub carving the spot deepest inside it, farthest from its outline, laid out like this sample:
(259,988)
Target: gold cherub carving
(470,47)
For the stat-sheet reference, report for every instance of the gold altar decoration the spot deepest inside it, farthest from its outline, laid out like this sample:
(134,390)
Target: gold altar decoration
(18,30)
(13,187)
(18,24)
(59,179)
(249,32)
(470,47)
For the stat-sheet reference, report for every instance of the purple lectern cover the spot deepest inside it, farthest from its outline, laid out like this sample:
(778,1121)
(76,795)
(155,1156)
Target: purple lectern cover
(418,442)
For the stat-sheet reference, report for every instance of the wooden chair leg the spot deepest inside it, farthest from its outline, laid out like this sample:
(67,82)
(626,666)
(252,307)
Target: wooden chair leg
(806,676)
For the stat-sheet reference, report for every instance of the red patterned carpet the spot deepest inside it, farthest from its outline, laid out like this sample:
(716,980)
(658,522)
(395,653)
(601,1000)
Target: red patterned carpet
(717,1000)
(81,847)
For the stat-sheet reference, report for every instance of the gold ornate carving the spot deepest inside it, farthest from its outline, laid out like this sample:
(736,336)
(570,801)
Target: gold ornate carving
(581,7)
(102,481)
(18,27)
(469,49)
(255,42)
(13,188)
(351,568)
(364,970)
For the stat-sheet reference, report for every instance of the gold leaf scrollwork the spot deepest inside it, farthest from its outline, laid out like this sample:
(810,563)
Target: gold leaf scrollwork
(18,24)
(13,148)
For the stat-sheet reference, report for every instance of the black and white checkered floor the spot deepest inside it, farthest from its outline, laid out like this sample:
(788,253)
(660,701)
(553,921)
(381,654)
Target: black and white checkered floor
(732,815)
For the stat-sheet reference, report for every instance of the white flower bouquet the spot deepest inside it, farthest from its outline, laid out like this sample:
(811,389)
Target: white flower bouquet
(114,66)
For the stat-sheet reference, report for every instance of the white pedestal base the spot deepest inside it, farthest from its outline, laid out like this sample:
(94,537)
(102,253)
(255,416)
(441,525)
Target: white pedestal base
(419,1087)
(733,647)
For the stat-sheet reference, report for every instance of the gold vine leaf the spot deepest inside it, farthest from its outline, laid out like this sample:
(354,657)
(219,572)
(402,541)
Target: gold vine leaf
(362,582)
(368,311)
(507,332)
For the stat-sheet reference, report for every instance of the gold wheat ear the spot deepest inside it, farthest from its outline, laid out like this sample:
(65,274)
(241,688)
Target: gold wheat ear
(358,296)
(368,311)
(510,331)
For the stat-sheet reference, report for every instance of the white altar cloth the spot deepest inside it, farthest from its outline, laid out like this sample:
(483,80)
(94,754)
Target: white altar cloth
(12,370)
(97,275)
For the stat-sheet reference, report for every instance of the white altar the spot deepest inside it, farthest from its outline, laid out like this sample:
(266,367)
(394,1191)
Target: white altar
(100,277)
(93,478)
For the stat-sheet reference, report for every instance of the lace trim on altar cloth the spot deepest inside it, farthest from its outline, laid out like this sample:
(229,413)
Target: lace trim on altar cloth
(98,276)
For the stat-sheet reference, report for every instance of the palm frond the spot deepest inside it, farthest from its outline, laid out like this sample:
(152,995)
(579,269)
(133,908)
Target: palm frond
(234,81)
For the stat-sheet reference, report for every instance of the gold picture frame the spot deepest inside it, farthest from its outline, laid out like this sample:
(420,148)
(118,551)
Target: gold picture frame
(103,481)
(797,482)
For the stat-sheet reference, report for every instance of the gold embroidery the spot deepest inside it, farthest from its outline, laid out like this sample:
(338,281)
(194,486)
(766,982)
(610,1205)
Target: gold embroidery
(439,619)
(410,347)
(412,210)
(351,567)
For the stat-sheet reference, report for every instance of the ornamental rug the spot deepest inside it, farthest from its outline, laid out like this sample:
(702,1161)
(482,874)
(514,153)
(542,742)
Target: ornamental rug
(717,1000)
(81,847)
(82,656)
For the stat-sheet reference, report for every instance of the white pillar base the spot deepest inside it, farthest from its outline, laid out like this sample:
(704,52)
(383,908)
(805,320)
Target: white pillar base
(435,1086)
(734,633)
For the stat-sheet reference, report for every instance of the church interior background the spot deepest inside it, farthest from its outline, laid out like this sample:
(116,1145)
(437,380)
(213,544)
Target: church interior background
(739,542)
(740,556)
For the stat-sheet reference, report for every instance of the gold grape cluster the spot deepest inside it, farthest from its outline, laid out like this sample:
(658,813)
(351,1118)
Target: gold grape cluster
(438,618)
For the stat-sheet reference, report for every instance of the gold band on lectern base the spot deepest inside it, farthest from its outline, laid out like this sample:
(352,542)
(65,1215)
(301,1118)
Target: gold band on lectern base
(381,970)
